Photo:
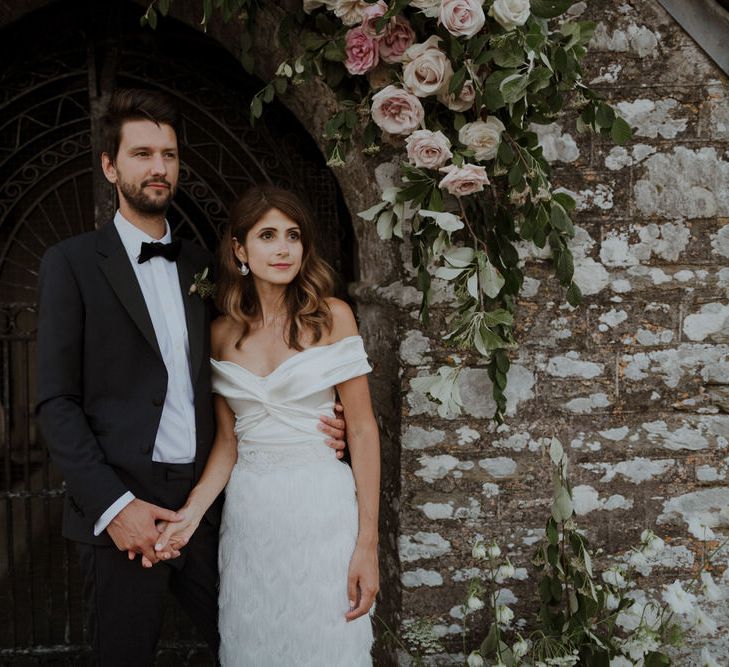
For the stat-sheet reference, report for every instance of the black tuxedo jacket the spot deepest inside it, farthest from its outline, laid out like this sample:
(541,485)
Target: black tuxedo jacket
(101,379)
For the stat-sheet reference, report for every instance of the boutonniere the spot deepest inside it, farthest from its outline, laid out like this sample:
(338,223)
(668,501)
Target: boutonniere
(202,285)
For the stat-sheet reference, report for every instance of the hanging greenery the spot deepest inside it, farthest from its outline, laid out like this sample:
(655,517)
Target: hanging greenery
(457,86)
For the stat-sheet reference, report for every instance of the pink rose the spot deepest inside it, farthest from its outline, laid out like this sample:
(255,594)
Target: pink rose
(398,38)
(362,53)
(462,18)
(396,111)
(465,180)
(369,21)
(463,102)
(427,69)
(429,150)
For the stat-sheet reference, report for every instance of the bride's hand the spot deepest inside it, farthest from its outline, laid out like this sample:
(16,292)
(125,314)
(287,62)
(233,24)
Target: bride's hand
(174,536)
(363,581)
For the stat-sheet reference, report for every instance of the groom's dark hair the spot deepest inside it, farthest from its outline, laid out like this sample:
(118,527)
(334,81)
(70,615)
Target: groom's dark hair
(135,104)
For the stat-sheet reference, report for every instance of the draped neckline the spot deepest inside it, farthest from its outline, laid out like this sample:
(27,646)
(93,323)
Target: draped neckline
(284,362)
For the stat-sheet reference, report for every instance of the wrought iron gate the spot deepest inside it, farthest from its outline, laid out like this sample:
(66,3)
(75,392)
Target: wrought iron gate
(57,69)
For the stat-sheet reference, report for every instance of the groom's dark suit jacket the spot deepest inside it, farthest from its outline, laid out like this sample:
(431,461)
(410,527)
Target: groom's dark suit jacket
(101,378)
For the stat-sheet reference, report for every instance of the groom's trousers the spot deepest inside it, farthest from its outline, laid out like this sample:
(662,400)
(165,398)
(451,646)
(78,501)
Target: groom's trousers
(125,601)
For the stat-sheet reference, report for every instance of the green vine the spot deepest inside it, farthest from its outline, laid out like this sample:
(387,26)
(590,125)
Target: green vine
(473,88)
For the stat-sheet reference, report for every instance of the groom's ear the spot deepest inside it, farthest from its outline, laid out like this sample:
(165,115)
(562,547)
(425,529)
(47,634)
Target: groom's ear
(107,166)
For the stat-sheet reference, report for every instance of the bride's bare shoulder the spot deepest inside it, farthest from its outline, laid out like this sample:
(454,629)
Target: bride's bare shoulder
(343,322)
(223,332)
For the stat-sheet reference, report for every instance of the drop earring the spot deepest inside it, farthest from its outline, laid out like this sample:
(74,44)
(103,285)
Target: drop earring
(244,270)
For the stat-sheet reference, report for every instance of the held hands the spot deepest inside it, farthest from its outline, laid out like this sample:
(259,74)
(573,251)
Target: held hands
(363,581)
(174,536)
(335,428)
(133,530)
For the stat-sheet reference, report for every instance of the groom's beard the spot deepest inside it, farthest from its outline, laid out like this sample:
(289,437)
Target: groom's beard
(140,201)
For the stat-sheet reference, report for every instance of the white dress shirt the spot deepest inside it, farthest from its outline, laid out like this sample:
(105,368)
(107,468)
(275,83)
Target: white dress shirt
(158,279)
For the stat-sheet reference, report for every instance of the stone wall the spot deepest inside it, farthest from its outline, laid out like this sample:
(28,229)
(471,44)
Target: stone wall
(634,382)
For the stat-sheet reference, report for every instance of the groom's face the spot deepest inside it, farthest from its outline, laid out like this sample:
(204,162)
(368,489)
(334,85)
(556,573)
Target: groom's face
(146,167)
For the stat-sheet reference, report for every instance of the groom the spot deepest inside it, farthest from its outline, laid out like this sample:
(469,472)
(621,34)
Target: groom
(124,392)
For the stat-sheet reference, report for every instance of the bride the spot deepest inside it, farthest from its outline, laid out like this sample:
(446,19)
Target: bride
(298,540)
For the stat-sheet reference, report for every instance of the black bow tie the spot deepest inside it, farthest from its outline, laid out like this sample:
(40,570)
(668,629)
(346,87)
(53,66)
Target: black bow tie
(169,251)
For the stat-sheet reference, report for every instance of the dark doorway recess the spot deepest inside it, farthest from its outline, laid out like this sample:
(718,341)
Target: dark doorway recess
(58,67)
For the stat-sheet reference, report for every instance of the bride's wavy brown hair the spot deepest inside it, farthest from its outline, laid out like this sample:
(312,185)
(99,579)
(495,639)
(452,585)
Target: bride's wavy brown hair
(237,297)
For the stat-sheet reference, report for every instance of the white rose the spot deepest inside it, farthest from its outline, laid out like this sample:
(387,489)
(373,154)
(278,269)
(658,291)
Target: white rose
(396,111)
(465,180)
(350,12)
(428,150)
(428,7)
(462,18)
(463,102)
(483,137)
(510,13)
(427,69)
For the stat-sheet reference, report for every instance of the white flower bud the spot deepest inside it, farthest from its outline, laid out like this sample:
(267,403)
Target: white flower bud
(475,660)
(474,603)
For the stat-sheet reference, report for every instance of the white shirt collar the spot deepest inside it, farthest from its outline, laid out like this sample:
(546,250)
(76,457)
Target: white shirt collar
(132,237)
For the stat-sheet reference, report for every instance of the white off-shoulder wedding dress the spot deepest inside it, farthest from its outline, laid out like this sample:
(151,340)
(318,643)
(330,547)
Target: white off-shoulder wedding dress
(290,519)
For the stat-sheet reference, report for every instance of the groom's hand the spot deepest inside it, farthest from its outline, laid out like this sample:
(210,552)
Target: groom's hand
(335,428)
(133,530)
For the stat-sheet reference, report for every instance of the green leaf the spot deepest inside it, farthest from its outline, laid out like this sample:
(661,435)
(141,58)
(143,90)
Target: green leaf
(574,295)
(545,589)
(505,154)
(268,93)
(564,200)
(562,507)
(163,6)
(539,78)
(334,51)
(323,24)
(620,131)
(605,115)
(515,174)
(280,83)
(256,107)
(562,61)
(561,221)
(549,9)
(385,226)
(513,87)
(490,643)
(492,88)
(312,41)
(507,58)
(565,267)
(656,659)
(152,19)
(457,81)
(502,361)
(552,532)
(491,280)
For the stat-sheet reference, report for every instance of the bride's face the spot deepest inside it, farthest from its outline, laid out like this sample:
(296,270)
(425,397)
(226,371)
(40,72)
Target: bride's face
(272,248)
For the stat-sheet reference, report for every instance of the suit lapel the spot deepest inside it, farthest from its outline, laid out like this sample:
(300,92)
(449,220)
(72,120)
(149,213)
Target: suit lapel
(194,310)
(114,262)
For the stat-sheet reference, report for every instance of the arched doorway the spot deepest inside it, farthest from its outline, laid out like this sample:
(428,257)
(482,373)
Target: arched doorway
(57,69)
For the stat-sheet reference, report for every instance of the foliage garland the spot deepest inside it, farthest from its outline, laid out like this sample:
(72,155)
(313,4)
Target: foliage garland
(458,84)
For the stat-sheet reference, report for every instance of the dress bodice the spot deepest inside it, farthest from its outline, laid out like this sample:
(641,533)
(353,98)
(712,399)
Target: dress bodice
(283,407)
